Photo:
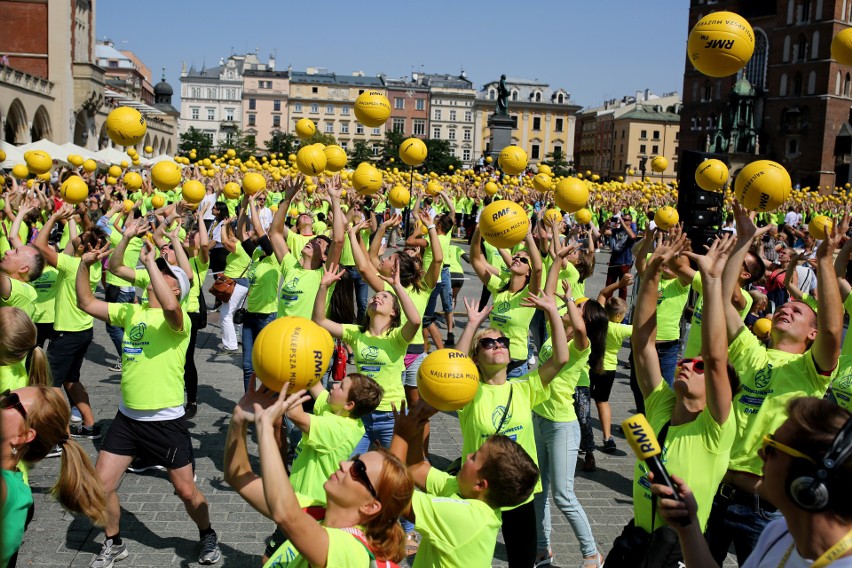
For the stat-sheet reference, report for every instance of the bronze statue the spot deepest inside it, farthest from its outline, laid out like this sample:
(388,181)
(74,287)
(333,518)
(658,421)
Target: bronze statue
(502,107)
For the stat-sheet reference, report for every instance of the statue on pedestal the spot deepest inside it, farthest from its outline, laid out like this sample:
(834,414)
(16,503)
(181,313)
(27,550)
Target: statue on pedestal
(502,108)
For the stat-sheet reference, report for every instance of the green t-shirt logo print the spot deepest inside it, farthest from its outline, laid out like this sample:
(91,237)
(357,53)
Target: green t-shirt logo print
(138,332)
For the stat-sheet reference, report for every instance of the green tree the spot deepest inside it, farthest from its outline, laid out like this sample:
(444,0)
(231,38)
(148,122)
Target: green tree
(244,145)
(195,139)
(319,138)
(390,150)
(558,163)
(281,143)
(440,157)
(360,153)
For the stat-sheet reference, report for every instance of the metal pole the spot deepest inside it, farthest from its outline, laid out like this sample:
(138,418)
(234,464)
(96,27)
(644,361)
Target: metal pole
(405,212)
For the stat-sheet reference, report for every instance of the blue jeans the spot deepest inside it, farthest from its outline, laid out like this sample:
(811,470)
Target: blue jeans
(252,326)
(445,290)
(668,352)
(557,444)
(738,523)
(519,371)
(115,295)
(362,290)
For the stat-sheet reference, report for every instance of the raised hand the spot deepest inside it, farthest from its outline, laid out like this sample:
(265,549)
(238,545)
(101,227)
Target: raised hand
(94,255)
(712,263)
(540,301)
(393,279)
(475,316)
(830,243)
(331,274)
(272,414)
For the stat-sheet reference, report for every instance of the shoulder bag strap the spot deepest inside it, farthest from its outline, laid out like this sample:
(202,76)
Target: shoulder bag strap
(506,409)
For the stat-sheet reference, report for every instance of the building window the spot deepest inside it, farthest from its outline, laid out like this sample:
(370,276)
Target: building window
(399,125)
(452,116)
(847,86)
(514,95)
(297,107)
(467,134)
(211,114)
(655,149)
(344,144)
(468,116)
(345,111)
(643,135)
(329,127)
(514,121)
(314,108)
(376,149)
(812,82)
(329,109)
(538,97)
(251,120)
(437,114)
(211,93)
(359,128)
(229,114)
(344,128)
(656,135)
(642,148)
(419,127)
(797,85)
(755,70)
(782,90)
(315,90)
(276,105)
(792,148)
(451,134)
(466,154)
(420,104)
(252,104)
(276,121)
(537,123)
(194,112)
(800,53)
(558,127)
(492,94)
(377,132)
(399,103)
(436,132)
(557,149)
(209,135)
(560,98)
(535,152)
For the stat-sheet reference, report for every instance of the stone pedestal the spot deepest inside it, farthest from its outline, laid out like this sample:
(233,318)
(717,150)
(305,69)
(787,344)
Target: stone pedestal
(501,134)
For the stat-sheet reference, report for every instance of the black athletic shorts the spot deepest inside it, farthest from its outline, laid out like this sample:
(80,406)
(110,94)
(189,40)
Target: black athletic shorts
(601,385)
(165,442)
(65,354)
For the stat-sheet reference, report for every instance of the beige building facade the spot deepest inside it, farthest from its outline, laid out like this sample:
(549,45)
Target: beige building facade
(641,134)
(264,108)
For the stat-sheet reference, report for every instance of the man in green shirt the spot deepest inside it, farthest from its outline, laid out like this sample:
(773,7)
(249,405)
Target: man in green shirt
(19,267)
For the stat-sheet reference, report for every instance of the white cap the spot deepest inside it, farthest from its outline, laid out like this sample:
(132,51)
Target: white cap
(179,274)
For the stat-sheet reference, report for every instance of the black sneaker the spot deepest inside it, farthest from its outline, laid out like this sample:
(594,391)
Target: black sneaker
(55,452)
(609,446)
(190,409)
(88,432)
(140,465)
(451,340)
(210,553)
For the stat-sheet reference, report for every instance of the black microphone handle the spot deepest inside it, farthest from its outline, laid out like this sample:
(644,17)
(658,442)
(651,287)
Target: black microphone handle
(662,476)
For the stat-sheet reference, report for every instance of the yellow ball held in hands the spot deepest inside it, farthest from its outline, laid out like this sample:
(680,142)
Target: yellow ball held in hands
(504,224)
(291,354)
(819,226)
(126,126)
(448,379)
(720,44)
(762,185)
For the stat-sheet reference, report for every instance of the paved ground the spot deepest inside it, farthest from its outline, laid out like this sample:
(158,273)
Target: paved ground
(158,530)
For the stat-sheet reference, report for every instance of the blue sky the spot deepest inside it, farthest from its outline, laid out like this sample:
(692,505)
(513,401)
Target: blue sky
(595,49)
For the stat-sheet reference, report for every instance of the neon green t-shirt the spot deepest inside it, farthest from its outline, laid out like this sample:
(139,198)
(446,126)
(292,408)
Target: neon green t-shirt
(22,296)
(479,418)
(420,300)
(263,283)
(510,317)
(380,358)
(199,273)
(46,289)
(68,316)
(14,376)
(237,262)
(299,287)
(444,242)
(697,451)
(152,358)
(810,301)
(841,386)
(455,531)
(131,257)
(346,256)
(671,299)
(296,242)
(454,259)
(560,406)
(770,378)
(344,551)
(693,341)
(616,333)
(493,257)
(329,441)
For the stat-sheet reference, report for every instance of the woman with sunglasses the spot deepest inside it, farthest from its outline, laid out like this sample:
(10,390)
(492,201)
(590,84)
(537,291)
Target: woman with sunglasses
(511,315)
(364,498)
(810,534)
(505,407)
(693,417)
(34,421)
(379,344)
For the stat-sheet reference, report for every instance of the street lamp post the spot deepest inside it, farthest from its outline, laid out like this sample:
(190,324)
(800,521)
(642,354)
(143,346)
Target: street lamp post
(643,161)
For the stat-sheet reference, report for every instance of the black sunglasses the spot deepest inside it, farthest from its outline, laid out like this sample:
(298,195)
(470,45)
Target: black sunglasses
(697,365)
(523,259)
(358,471)
(9,399)
(492,342)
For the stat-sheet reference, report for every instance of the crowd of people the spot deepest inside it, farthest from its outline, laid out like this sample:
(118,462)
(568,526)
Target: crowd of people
(754,421)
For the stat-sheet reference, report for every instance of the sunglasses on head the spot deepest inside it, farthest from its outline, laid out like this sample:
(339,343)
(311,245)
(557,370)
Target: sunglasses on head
(358,471)
(494,342)
(9,399)
(523,259)
(770,445)
(697,365)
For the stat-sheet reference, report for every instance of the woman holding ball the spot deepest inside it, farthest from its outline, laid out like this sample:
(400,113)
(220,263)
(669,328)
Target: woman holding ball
(504,407)
(379,345)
